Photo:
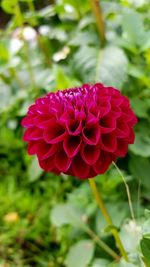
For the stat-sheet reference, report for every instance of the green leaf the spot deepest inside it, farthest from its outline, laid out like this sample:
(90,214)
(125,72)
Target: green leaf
(130,235)
(112,66)
(9,5)
(84,63)
(140,107)
(34,171)
(141,145)
(62,80)
(83,38)
(118,211)
(145,247)
(100,263)
(140,168)
(107,66)
(63,214)
(133,27)
(80,254)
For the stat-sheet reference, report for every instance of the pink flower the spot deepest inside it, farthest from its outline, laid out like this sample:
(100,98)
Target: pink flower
(79,131)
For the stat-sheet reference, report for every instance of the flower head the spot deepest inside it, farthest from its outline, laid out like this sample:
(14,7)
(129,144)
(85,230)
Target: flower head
(79,131)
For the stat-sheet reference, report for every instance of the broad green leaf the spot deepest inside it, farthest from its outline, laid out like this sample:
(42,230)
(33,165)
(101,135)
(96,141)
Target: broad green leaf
(140,168)
(108,65)
(80,254)
(34,171)
(130,235)
(133,27)
(63,214)
(145,247)
(112,66)
(84,63)
(83,38)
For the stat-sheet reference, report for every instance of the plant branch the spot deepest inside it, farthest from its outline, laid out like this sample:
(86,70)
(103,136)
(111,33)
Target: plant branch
(127,190)
(107,217)
(97,11)
(101,244)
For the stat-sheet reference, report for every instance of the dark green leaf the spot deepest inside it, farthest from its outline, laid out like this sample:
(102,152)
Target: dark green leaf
(145,247)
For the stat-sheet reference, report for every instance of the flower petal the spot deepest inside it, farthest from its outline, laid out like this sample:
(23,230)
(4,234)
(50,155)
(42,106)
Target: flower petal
(71,145)
(54,134)
(91,134)
(62,162)
(79,167)
(90,154)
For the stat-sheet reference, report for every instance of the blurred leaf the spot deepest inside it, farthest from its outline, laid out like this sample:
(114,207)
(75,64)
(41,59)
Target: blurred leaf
(112,67)
(62,80)
(130,235)
(100,263)
(4,52)
(119,209)
(34,171)
(141,145)
(140,107)
(133,27)
(83,38)
(145,247)
(9,5)
(140,168)
(108,65)
(63,214)
(80,254)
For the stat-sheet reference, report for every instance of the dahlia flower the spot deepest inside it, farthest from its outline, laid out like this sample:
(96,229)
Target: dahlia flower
(79,131)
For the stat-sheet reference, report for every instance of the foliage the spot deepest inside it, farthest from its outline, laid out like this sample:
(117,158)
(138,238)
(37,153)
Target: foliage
(53,221)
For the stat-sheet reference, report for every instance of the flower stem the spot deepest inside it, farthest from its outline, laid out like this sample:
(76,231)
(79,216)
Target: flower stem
(107,217)
(101,244)
(97,11)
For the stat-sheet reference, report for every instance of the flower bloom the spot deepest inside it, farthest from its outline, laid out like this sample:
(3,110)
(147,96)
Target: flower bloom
(79,131)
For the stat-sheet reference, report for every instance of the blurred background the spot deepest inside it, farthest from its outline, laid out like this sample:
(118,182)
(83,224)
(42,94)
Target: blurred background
(50,221)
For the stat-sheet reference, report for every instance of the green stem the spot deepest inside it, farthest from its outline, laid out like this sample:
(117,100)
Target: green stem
(31,6)
(107,217)
(127,190)
(97,11)
(101,244)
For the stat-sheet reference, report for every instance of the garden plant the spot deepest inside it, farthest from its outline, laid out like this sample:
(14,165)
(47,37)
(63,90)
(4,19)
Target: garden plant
(75,74)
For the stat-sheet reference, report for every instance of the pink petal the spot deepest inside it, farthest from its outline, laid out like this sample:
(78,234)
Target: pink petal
(43,121)
(32,147)
(102,163)
(74,127)
(122,148)
(80,168)
(107,124)
(71,145)
(90,154)
(45,150)
(54,134)
(108,142)
(33,133)
(28,121)
(91,134)
(62,162)
(122,129)
(47,164)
